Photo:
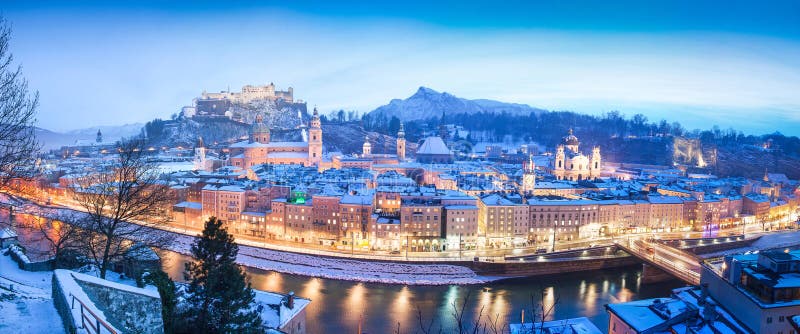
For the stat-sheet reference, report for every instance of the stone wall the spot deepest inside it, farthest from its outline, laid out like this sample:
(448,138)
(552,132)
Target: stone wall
(133,312)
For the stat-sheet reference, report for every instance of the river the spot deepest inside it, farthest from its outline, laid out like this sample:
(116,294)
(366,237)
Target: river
(338,306)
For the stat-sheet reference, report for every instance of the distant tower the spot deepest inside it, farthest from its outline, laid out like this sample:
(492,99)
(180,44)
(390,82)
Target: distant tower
(99,138)
(259,132)
(528,176)
(315,140)
(596,163)
(200,155)
(443,129)
(401,143)
(766,175)
(367,148)
(559,163)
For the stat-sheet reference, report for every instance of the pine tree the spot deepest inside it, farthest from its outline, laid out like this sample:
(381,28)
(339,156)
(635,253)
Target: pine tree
(169,299)
(220,300)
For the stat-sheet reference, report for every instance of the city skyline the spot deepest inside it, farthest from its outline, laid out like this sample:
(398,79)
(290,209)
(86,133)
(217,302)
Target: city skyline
(700,65)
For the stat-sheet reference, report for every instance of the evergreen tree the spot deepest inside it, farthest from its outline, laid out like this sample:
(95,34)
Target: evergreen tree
(169,298)
(220,300)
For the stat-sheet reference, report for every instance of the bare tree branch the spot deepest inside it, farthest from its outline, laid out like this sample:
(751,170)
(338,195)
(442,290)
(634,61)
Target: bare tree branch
(126,202)
(18,145)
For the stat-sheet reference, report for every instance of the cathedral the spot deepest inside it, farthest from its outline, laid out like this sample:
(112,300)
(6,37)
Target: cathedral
(570,164)
(259,149)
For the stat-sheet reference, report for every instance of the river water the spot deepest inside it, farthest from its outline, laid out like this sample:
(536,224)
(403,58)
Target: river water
(338,306)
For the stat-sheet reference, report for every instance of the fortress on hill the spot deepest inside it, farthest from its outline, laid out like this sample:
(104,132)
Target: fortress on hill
(251,93)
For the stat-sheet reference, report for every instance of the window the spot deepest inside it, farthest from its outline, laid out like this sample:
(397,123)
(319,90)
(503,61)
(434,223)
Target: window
(769,320)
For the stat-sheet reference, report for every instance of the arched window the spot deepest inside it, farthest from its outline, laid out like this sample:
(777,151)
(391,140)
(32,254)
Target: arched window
(559,163)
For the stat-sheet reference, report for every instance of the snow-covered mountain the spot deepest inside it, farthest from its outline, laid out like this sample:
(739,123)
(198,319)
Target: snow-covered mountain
(53,140)
(427,103)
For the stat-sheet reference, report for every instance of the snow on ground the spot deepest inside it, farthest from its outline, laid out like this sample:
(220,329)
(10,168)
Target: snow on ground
(346,269)
(767,241)
(28,306)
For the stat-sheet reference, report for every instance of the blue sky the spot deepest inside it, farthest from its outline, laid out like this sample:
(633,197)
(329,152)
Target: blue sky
(727,63)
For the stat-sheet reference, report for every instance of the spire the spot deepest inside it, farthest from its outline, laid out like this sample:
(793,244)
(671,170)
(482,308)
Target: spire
(316,113)
(530,162)
(200,141)
(401,133)
(570,131)
(766,175)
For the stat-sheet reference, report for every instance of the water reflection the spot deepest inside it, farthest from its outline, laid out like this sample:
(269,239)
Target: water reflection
(339,306)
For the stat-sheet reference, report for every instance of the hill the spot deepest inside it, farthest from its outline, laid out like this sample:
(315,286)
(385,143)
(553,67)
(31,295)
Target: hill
(52,140)
(427,102)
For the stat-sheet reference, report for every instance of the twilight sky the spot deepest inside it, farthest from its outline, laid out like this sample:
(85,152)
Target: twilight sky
(727,63)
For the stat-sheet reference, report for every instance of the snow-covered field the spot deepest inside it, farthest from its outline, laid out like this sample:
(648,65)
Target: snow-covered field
(26,304)
(346,269)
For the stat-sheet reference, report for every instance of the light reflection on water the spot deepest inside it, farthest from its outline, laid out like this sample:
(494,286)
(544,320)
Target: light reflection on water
(338,306)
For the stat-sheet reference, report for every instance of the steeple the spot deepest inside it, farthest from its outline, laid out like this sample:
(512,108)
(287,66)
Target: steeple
(315,140)
(401,143)
(99,138)
(315,122)
(443,129)
(366,149)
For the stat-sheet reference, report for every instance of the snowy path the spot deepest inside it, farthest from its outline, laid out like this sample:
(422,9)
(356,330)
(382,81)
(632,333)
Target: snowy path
(28,307)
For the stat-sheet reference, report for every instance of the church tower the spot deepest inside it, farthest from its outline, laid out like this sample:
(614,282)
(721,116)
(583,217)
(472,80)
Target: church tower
(401,143)
(99,138)
(443,133)
(560,162)
(315,140)
(366,149)
(596,163)
(259,132)
(200,155)
(528,176)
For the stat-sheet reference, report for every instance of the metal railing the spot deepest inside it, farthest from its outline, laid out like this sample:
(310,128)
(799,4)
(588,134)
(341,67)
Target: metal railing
(92,324)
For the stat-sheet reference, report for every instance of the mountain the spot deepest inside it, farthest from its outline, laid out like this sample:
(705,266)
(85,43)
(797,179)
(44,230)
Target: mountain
(426,103)
(52,140)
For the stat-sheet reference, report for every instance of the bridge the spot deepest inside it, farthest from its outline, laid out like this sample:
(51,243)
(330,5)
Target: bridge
(678,263)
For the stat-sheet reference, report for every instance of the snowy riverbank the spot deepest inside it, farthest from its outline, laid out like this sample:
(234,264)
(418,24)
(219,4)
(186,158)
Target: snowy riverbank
(346,269)
(329,267)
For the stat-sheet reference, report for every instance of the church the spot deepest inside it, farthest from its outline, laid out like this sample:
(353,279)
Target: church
(570,164)
(259,149)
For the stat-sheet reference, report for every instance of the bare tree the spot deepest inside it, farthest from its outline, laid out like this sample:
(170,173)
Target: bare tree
(58,234)
(18,145)
(126,202)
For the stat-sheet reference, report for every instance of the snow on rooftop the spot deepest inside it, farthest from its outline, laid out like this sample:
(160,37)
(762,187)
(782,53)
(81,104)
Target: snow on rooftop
(277,318)
(433,145)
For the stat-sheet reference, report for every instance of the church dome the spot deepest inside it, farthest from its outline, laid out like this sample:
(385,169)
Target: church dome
(570,139)
(258,126)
